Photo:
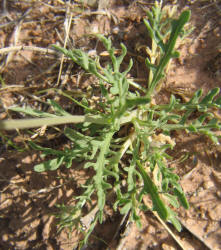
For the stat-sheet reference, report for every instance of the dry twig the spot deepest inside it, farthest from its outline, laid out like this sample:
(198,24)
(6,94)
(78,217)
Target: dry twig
(67,26)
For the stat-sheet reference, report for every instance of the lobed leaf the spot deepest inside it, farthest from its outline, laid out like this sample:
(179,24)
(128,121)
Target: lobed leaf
(49,165)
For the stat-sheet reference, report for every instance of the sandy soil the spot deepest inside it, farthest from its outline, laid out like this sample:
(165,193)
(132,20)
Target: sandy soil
(28,199)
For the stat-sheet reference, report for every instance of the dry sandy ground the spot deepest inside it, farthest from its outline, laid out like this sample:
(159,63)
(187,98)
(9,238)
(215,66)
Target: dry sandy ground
(27,198)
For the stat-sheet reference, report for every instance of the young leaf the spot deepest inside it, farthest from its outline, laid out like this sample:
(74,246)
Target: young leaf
(150,188)
(182,198)
(57,108)
(49,165)
(210,96)
(32,112)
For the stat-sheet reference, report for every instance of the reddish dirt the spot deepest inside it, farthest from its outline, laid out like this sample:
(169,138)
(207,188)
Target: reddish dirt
(28,199)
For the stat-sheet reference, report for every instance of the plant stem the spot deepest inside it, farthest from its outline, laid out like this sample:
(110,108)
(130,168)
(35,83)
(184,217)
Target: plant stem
(39,122)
